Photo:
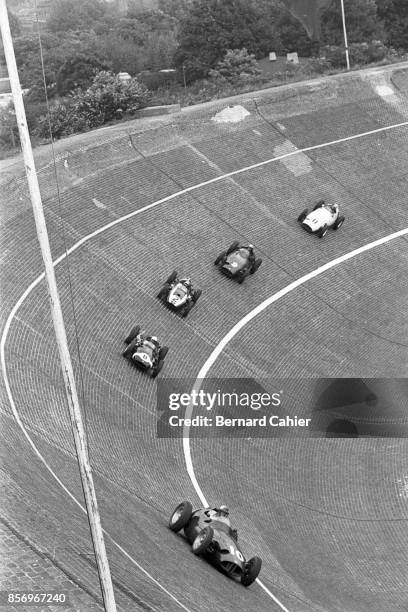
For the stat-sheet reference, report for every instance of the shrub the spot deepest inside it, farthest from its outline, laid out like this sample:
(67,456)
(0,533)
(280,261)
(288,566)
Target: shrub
(106,99)
(236,66)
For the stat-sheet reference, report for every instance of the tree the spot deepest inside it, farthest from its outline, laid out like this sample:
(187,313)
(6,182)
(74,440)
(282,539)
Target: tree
(361,21)
(394,14)
(213,26)
(69,15)
(236,66)
(78,70)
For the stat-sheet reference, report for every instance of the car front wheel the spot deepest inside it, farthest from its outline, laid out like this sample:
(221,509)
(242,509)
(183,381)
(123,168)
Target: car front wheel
(203,540)
(303,215)
(221,258)
(171,278)
(251,572)
(132,334)
(181,516)
(322,232)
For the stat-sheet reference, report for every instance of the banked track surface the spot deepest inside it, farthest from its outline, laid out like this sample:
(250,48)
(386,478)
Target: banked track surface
(328,517)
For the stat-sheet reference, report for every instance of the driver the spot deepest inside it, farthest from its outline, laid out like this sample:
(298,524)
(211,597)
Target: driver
(186,282)
(153,340)
(334,208)
(221,515)
(250,249)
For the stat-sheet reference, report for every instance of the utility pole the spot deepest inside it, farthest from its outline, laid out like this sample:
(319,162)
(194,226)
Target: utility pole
(56,312)
(345,35)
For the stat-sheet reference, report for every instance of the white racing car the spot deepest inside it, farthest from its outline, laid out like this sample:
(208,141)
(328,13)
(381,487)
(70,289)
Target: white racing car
(179,294)
(321,218)
(145,352)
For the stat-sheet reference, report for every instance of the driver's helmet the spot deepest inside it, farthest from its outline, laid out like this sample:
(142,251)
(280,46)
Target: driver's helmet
(223,510)
(186,282)
(154,339)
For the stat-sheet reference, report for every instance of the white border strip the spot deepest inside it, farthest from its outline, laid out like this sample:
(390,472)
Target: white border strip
(219,347)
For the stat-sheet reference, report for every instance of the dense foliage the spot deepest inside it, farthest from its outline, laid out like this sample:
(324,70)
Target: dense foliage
(214,40)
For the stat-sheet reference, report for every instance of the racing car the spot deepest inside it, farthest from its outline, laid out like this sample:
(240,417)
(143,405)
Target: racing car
(238,261)
(321,218)
(179,294)
(145,351)
(216,540)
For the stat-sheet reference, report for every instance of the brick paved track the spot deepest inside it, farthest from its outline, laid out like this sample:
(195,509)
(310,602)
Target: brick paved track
(328,517)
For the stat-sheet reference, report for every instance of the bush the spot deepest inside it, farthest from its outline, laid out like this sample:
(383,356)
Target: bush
(106,99)
(236,66)
(63,120)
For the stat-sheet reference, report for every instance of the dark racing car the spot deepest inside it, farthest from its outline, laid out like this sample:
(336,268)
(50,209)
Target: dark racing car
(210,534)
(238,261)
(321,218)
(145,352)
(179,294)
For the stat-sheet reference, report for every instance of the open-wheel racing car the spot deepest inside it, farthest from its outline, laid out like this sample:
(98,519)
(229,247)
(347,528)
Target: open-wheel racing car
(211,536)
(145,351)
(321,218)
(238,261)
(179,294)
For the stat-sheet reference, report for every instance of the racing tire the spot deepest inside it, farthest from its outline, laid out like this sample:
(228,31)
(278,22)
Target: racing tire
(171,278)
(233,247)
(322,232)
(339,223)
(181,516)
(130,348)
(132,334)
(202,540)
(220,258)
(319,204)
(251,573)
(186,309)
(162,293)
(241,278)
(303,215)
(197,295)
(256,265)
(163,352)
(157,369)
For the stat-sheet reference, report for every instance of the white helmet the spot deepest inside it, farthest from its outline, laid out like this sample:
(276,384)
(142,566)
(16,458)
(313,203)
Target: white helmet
(154,338)
(223,509)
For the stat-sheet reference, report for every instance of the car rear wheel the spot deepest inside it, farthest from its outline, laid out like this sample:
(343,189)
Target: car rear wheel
(256,265)
(162,293)
(303,215)
(129,350)
(186,308)
(220,258)
(251,573)
(157,369)
(163,352)
(339,223)
(203,540)
(172,277)
(319,204)
(132,334)
(197,295)
(233,247)
(181,516)
(322,232)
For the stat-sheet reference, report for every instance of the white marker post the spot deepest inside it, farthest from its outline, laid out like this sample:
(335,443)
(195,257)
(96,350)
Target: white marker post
(56,312)
(345,35)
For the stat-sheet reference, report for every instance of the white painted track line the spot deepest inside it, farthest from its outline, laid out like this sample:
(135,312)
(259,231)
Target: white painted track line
(214,355)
